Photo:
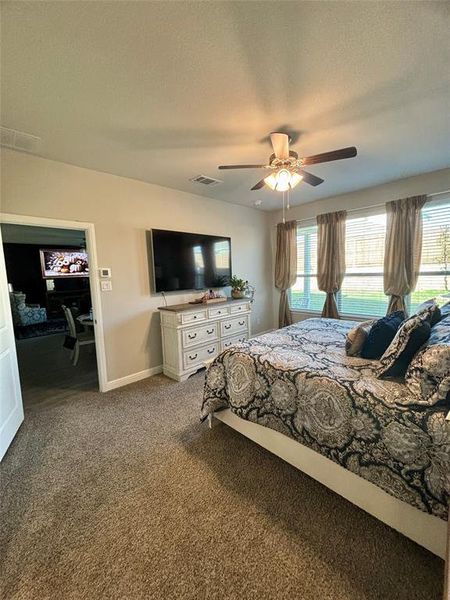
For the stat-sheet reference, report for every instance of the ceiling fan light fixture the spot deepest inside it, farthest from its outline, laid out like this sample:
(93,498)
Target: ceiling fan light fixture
(295,179)
(271,181)
(283,180)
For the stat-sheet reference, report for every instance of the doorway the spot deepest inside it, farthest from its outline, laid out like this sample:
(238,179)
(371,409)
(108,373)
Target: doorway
(52,292)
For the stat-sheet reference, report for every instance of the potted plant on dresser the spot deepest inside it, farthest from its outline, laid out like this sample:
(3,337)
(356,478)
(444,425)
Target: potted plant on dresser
(238,287)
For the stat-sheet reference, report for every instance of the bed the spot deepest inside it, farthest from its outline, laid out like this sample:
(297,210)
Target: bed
(297,393)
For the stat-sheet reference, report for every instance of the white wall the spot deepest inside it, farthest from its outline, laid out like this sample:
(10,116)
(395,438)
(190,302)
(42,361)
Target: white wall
(427,183)
(122,210)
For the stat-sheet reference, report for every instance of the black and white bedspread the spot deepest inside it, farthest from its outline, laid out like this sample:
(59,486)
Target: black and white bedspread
(299,381)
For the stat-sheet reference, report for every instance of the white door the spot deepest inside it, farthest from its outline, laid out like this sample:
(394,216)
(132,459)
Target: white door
(11,408)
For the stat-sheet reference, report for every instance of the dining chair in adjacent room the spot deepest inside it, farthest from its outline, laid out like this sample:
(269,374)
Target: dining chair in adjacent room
(82,338)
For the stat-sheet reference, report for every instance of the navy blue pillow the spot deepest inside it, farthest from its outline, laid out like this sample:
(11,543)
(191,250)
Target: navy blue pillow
(381,335)
(418,337)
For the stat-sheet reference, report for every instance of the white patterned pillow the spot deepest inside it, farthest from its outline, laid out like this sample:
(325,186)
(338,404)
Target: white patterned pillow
(407,329)
(428,375)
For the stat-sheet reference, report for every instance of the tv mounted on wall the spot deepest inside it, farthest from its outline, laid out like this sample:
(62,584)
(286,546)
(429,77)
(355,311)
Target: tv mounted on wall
(189,261)
(56,264)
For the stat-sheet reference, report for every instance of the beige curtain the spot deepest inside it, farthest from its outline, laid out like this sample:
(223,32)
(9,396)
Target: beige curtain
(285,267)
(403,249)
(331,258)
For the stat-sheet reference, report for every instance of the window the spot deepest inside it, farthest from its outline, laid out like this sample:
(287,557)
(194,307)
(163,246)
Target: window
(362,288)
(305,295)
(434,278)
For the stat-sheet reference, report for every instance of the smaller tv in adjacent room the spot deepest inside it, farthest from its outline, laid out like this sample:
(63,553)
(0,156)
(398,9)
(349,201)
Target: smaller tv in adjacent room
(56,264)
(189,261)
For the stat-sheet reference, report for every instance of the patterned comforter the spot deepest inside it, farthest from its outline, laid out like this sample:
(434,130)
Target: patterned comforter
(299,381)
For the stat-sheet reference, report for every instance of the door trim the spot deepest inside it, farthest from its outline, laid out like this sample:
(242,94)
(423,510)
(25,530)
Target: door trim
(94,283)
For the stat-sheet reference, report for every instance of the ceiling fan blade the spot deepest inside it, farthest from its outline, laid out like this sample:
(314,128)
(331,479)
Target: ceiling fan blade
(280,145)
(349,152)
(259,185)
(310,178)
(241,167)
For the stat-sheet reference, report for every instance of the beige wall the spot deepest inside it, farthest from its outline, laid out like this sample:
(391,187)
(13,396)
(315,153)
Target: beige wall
(122,210)
(427,183)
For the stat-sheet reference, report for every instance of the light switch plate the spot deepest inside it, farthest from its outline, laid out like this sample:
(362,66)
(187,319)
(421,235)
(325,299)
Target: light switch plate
(105,272)
(106,286)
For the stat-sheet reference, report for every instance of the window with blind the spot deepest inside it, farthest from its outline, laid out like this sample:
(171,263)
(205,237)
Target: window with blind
(434,278)
(305,295)
(362,289)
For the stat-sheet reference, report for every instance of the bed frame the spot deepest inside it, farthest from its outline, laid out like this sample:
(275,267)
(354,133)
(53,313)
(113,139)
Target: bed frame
(424,529)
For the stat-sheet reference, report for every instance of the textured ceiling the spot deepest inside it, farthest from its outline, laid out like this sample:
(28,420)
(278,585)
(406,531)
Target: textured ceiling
(164,91)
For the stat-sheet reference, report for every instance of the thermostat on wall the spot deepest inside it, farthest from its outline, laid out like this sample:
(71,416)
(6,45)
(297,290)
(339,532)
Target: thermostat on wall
(105,272)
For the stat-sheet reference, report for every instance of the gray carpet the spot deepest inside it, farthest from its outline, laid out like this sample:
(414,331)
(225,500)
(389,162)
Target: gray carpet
(127,495)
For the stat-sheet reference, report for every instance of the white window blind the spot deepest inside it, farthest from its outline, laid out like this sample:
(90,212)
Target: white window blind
(362,288)
(434,278)
(305,294)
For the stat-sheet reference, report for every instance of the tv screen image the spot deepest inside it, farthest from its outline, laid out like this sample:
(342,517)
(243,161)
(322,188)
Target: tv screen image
(189,261)
(64,263)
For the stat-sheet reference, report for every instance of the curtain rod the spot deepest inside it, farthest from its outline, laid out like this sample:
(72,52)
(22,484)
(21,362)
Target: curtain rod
(351,210)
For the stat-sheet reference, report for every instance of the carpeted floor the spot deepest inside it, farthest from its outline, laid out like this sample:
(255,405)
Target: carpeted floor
(127,495)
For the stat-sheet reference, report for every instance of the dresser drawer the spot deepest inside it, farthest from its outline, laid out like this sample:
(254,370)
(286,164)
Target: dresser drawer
(200,335)
(194,317)
(198,356)
(218,311)
(231,326)
(226,343)
(239,308)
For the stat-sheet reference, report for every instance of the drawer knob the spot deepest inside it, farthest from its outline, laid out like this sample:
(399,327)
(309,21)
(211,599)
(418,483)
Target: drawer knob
(209,331)
(195,316)
(227,326)
(211,351)
(192,336)
(241,322)
(193,357)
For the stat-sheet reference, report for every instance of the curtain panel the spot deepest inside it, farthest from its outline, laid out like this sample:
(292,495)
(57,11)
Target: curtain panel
(285,267)
(403,249)
(331,258)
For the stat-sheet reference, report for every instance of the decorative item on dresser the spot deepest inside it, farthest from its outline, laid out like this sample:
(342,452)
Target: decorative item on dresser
(192,335)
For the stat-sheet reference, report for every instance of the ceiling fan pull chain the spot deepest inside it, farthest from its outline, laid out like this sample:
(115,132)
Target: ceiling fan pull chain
(288,206)
(284,217)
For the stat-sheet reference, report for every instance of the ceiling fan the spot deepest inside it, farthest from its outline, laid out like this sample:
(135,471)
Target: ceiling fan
(286,168)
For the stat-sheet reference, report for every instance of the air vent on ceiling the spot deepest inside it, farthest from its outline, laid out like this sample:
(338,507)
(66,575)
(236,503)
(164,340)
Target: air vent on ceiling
(19,140)
(204,180)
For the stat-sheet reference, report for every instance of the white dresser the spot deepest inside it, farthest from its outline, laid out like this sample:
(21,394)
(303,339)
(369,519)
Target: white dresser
(195,333)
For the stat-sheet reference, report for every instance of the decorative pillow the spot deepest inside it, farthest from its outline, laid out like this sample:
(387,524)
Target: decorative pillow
(381,334)
(445,310)
(412,334)
(440,333)
(432,310)
(356,338)
(428,375)
(433,315)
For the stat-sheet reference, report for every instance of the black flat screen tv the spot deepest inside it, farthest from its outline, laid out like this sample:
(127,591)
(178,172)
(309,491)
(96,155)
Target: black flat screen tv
(189,261)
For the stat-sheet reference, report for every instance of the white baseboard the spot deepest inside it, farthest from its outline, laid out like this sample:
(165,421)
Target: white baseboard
(116,383)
